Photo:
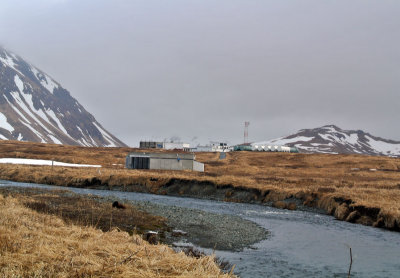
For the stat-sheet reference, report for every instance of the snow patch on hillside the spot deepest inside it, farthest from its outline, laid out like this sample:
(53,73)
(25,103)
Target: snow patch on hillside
(35,131)
(59,124)
(17,111)
(106,136)
(22,104)
(8,61)
(45,80)
(4,124)
(55,140)
(283,141)
(384,147)
(331,139)
(39,113)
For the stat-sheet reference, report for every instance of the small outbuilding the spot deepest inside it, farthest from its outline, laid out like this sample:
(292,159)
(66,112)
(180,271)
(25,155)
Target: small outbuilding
(163,161)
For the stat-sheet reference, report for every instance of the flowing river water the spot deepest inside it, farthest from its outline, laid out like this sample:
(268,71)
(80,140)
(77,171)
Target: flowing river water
(300,243)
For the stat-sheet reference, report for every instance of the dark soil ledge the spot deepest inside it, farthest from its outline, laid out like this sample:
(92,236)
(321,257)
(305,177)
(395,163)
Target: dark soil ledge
(341,208)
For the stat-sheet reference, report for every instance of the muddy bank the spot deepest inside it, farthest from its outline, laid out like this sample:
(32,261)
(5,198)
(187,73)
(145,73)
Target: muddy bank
(171,224)
(339,207)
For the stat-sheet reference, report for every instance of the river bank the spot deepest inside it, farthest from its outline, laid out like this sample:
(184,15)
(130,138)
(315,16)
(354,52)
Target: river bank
(299,244)
(342,208)
(171,223)
(35,242)
(355,188)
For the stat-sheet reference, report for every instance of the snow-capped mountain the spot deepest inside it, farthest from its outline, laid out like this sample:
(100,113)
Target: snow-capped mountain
(34,107)
(332,139)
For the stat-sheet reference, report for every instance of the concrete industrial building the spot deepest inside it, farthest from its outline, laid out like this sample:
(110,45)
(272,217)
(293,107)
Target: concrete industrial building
(274,148)
(151,145)
(163,161)
(213,147)
(164,145)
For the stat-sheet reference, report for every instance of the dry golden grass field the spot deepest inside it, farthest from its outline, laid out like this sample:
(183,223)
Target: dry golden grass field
(41,244)
(356,188)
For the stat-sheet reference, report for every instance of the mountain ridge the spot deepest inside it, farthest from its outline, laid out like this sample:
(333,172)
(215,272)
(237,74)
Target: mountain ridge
(332,139)
(34,107)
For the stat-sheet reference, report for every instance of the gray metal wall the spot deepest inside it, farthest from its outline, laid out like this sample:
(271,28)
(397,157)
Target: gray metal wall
(170,164)
(165,161)
(198,166)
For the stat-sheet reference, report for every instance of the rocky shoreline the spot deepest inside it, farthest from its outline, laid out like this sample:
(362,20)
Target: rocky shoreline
(205,229)
(189,226)
(341,208)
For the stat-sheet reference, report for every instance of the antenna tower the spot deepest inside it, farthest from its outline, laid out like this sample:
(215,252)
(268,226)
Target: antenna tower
(246,132)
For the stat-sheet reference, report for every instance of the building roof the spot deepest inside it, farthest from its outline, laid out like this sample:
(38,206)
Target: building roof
(186,156)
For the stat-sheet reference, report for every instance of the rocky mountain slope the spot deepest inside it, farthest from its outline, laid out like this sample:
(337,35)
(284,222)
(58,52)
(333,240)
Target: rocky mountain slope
(332,139)
(34,107)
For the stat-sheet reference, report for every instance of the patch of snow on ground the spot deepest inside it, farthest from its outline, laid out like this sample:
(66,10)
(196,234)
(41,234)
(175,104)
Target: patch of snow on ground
(20,137)
(42,162)
(383,147)
(4,124)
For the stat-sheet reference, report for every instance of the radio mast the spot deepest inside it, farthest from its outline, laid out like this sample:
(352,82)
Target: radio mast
(246,132)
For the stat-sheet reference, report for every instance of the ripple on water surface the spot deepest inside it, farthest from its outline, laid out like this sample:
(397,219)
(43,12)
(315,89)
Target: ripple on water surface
(301,244)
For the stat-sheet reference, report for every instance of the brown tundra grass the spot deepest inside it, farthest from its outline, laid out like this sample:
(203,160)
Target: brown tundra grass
(35,244)
(88,210)
(345,176)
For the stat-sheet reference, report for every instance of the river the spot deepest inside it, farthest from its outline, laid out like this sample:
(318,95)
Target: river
(300,244)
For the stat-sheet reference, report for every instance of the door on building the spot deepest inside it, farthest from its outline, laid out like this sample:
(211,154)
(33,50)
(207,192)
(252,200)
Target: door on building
(140,162)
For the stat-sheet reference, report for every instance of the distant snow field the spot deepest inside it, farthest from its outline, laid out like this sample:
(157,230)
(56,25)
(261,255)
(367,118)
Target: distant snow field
(26,161)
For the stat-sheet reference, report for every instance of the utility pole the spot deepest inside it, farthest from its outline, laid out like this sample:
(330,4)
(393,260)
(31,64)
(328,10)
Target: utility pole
(246,132)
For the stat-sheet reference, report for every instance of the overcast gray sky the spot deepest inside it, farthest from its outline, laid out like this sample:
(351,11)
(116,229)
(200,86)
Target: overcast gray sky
(157,69)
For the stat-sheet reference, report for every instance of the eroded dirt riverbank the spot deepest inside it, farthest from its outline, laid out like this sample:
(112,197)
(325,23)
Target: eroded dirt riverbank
(354,188)
(341,208)
(203,229)
(299,244)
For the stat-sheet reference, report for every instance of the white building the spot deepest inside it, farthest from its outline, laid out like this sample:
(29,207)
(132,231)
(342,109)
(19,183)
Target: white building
(273,148)
(176,146)
(213,147)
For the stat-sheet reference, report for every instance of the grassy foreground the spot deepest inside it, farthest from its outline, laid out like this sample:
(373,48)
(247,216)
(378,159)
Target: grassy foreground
(340,184)
(87,210)
(34,244)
